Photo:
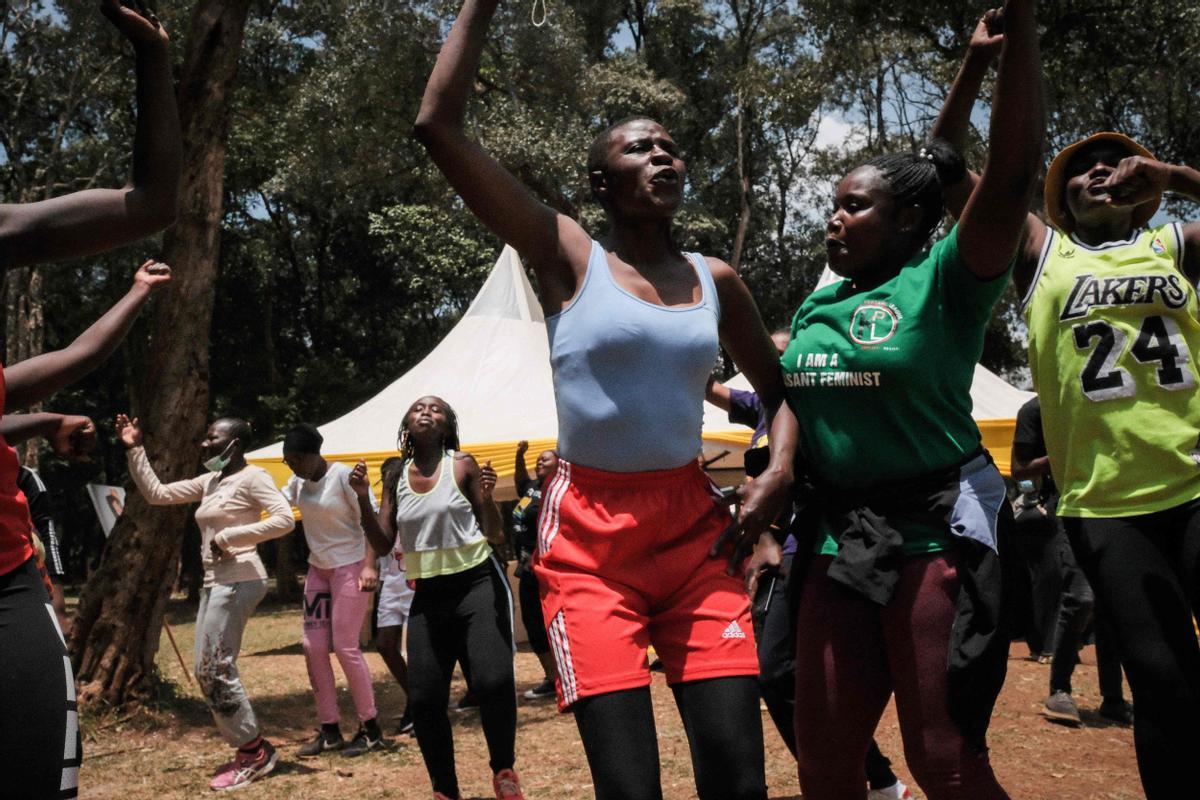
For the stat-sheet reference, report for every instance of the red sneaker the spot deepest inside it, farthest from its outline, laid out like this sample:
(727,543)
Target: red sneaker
(507,785)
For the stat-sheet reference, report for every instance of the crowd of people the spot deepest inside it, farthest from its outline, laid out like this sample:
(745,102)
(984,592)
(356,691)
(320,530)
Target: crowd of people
(863,559)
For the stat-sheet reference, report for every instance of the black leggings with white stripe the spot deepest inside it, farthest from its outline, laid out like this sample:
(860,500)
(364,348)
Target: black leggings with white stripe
(464,617)
(39,729)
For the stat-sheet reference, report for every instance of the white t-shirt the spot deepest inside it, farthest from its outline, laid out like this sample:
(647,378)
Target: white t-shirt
(331,517)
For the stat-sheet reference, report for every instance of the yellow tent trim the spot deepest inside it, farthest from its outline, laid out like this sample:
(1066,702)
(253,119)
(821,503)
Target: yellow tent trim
(997,438)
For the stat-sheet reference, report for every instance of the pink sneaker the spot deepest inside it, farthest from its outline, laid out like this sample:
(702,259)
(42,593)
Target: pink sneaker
(507,785)
(247,769)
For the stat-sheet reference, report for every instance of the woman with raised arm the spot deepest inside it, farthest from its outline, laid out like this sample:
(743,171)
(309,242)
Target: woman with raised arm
(635,325)
(441,514)
(900,595)
(239,506)
(335,505)
(96,220)
(39,727)
(1111,304)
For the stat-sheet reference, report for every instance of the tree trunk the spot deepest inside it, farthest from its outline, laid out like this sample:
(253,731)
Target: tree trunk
(24,331)
(743,227)
(116,632)
(287,588)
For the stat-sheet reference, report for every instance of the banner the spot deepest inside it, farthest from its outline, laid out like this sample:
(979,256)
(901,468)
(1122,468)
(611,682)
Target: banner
(109,502)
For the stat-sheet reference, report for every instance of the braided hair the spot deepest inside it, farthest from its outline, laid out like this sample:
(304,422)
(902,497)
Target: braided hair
(918,179)
(449,441)
(391,469)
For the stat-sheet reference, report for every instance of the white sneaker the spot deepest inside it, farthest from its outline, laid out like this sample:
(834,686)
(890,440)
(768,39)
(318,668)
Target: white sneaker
(897,791)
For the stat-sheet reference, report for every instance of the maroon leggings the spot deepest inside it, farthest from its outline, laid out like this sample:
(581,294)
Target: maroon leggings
(851,655)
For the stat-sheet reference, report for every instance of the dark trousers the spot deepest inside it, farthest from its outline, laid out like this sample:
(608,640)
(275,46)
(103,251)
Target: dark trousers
(1145,571)
(775,633)
(1077,610)
(1040,549)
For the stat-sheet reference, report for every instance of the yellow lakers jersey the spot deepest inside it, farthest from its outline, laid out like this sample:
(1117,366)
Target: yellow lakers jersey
(1113,341)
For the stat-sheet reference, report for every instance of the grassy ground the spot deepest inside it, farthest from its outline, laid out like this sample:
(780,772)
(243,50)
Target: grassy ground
(169,750)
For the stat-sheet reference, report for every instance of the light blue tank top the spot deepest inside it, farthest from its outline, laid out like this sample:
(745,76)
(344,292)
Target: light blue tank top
(629,375)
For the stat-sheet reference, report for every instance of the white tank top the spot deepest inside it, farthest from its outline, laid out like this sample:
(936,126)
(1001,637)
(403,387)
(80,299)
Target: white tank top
(437,529)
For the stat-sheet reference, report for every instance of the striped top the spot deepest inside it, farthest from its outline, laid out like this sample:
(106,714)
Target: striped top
(437,529)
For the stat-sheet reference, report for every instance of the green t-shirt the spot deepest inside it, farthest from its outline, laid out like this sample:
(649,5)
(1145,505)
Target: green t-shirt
(880,380)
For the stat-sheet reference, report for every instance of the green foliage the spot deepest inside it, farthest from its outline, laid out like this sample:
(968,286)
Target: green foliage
(345,256)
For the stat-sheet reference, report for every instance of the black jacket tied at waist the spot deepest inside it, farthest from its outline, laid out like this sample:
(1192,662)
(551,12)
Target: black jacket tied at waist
(871,555)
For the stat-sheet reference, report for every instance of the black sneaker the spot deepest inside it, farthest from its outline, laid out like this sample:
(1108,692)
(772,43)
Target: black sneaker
(363,742)
(1117,711)
(543,689)
(323,742)
(1060,707)
(405,723)
(467,703)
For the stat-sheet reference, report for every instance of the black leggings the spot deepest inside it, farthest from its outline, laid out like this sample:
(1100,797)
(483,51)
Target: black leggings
(463,617)
(724,731)
(39,727)
(1145,571)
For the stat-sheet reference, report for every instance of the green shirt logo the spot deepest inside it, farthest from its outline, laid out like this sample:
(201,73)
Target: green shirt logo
(874,322)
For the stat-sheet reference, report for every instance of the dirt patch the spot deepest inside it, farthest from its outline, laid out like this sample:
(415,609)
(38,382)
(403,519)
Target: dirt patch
(170,750)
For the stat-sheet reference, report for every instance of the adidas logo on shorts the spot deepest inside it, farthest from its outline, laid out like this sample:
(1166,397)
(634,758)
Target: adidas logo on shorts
(734,631)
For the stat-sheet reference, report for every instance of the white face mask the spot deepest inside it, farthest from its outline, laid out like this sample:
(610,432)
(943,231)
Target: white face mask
(220,462)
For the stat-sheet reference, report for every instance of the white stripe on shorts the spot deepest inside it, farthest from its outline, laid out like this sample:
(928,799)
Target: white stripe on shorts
(562,658)
(548,527)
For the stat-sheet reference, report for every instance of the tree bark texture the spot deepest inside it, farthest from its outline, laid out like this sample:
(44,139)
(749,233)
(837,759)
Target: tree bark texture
(116,633)
(24,330)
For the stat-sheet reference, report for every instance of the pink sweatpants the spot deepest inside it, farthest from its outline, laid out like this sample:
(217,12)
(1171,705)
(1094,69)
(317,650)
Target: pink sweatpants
(851,655)
(333,614)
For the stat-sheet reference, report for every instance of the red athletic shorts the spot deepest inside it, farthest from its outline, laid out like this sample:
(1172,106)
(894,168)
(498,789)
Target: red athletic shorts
(622,564)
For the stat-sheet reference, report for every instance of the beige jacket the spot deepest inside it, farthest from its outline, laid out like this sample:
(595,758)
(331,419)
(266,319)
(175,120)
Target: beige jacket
(231,513)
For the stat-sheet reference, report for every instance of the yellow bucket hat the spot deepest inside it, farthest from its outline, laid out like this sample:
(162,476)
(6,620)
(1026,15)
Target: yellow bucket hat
(1056,179)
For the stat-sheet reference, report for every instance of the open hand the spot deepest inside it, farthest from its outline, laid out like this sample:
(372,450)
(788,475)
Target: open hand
(762,501)
(358,479)
(128,431)
(487,480)
(75,437)
(152,275)
(1136,180)
(135,21)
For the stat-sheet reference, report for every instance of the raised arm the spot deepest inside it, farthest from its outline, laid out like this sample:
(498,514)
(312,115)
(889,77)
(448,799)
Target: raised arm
(554,245)
(994,219)
(97,220)
(520,472)
(190,490)
(954,121)
(35,379)
(745,337)
(1138,179)
(69,434)
(477,484)
(368,513)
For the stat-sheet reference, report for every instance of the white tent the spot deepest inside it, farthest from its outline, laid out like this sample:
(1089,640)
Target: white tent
(493,368)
